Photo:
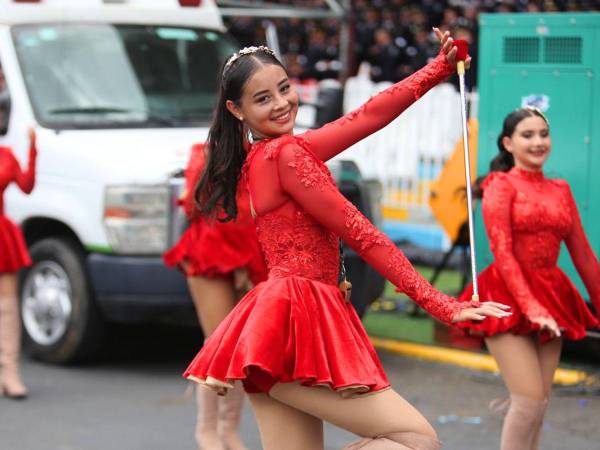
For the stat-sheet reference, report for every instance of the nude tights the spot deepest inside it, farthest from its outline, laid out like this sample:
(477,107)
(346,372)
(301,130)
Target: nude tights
(527,368)
(292,416)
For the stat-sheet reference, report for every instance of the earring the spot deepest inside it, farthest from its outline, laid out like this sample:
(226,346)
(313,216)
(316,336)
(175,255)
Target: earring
(249,136)
(241,118)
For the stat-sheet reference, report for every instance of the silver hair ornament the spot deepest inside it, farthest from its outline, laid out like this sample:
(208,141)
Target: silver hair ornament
(247,51)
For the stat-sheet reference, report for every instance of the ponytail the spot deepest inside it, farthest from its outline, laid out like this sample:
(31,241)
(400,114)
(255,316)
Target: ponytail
(215,192)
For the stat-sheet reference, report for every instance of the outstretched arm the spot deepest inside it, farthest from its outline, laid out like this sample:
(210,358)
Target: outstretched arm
(305,178)
(26,179)
(380,110)
(582,254)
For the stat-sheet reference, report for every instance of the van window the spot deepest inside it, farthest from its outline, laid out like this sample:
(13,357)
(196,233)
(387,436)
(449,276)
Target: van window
(4,103)
(111,76)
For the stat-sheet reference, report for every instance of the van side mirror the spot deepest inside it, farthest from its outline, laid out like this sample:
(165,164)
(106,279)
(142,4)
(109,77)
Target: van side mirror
(4,111)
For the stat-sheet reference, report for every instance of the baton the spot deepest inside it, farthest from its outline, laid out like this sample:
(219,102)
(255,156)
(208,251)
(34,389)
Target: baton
(462,48)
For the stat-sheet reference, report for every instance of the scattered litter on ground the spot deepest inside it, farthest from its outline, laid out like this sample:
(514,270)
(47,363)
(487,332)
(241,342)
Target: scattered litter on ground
(453,418)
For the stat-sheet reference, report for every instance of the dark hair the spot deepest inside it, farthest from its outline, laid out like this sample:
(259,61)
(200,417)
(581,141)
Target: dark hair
(215,192)
(505,161)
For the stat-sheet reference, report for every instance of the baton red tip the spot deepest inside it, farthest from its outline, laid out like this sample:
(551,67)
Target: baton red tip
(462,49)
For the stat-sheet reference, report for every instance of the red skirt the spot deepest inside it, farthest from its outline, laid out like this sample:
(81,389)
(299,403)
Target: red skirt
(290,329)
(217,250)
(551,287)
(13,250)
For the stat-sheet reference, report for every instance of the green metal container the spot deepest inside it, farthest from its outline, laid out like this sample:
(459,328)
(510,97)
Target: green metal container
(551,60)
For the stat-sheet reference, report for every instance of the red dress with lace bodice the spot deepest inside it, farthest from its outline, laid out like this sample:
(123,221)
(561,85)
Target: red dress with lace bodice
(211,248)
(13,250)
(527,216)
(297,326)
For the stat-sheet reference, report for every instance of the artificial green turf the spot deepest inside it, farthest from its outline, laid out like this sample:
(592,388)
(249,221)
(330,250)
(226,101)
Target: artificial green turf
(394,316)
(399,326)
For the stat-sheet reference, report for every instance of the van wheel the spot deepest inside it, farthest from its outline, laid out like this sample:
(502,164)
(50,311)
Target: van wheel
(61,323)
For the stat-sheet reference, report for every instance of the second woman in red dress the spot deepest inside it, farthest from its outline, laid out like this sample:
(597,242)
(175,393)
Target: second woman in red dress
(527,217)
(221,261)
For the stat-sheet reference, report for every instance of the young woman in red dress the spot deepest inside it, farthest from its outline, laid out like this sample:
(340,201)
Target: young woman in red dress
(220,260)
(295,341)
(527,217)
(13,256)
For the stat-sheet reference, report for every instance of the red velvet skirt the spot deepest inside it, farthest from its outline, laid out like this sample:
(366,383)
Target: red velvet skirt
(213,250)
(551,287)
(13,250)
(290,329)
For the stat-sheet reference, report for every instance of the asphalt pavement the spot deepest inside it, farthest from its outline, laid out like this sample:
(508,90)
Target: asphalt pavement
(134,399)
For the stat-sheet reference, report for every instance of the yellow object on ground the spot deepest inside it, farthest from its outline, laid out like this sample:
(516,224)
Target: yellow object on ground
(395,213)
(464,358)
(448,199)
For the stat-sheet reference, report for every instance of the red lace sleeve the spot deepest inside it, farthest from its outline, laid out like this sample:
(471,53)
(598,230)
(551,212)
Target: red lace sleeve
(305,178)
(498,196)
(333,138)
(192,175)
(26,180)
(582,254)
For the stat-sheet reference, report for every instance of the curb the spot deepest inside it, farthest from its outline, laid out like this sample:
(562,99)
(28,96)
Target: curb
(463,358)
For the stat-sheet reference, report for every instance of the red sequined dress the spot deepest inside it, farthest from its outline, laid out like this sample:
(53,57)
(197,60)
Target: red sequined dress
(527,216)
(297,326)
(212,248)
(13,251)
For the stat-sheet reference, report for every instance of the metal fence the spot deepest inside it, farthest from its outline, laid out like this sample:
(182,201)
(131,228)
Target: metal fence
(408,154)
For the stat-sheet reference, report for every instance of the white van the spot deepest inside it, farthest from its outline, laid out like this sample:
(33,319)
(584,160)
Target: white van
(118,91)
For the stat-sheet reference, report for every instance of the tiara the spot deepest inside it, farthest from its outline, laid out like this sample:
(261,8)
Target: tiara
(247,51)
(537,110)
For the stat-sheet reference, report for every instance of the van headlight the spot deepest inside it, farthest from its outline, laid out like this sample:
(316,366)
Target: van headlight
(136,218)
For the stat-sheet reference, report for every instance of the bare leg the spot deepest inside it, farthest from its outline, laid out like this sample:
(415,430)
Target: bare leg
(517,358)
(385,419)
(10,338)
(284,427)
(213,299)
(549,356)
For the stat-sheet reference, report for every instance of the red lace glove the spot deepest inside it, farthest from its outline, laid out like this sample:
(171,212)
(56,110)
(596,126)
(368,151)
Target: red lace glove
(586,262)
(305,178)
(26,179)
(336,136)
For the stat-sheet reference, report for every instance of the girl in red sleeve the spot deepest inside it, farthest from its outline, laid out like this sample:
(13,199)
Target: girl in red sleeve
(527,216)
(220,260)
(13,256)
(295,341)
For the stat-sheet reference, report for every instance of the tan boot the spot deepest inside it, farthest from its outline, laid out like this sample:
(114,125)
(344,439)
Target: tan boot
(397,441)
(10,349)
(231,411)
(207,436)
(521,422)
